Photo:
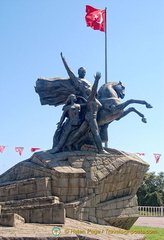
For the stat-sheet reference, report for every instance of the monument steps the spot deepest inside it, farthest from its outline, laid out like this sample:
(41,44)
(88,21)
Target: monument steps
(51,213)
(10,219)
(99,188)
(41,209)
(30,201)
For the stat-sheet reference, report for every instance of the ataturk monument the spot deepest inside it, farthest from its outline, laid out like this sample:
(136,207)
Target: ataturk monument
(78,178)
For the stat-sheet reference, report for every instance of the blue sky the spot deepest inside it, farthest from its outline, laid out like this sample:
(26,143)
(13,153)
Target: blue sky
(34,32)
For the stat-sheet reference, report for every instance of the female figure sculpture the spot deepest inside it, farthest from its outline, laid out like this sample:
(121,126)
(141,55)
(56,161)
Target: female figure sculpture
(71,111)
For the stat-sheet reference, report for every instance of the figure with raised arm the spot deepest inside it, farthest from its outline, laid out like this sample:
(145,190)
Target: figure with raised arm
(81,84)
(90,122)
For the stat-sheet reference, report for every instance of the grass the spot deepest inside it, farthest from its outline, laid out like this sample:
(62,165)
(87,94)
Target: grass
(150,232)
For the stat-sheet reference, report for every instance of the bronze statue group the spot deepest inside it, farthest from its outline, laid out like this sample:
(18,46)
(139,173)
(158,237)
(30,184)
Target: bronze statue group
(86,111)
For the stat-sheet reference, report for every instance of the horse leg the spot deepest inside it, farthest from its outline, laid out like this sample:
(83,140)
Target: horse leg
(121,106)
(132,109)
(104,133)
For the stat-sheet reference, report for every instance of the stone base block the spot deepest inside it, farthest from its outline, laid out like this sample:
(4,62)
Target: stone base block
(11,219)
(30,201)
(27,188)
(48,213)
(94,187)
(122,222)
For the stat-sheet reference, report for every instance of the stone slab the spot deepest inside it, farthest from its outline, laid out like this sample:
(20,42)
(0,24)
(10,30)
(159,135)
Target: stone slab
(30,201)
(47,213)
(27,188)
(11,219)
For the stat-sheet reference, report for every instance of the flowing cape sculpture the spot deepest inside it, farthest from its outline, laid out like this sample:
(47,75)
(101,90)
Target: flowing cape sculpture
(86,112)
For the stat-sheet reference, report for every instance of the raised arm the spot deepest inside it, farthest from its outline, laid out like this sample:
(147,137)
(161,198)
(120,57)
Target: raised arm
(69,71)
(95,86)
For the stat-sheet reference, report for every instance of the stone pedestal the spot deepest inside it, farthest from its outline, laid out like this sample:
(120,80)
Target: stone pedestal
(100,188)
(11,219)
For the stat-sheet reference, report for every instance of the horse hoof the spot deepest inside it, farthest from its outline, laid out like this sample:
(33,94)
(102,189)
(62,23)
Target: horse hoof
(103,152)
(149,106)
(144,120)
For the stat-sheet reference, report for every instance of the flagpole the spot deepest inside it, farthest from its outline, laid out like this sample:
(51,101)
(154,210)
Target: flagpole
(106,73)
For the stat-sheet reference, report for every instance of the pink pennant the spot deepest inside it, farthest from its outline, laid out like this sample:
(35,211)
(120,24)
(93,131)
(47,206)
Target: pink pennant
(157,157)
(2,148)
(19,150)
(34,149)
(141,154)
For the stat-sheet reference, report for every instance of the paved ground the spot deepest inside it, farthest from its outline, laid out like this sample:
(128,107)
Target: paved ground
(70,230)
(150,222)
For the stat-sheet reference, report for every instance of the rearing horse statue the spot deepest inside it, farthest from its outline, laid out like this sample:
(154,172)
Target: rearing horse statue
(56,91)
(112,109)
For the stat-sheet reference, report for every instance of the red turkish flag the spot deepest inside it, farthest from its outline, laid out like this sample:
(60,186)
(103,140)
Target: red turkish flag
(34,149)
(157,157)
(95,18)
(19,150)
(2,148)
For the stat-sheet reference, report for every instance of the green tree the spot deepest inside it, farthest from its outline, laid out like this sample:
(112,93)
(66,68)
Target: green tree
(153,199)
(151,191)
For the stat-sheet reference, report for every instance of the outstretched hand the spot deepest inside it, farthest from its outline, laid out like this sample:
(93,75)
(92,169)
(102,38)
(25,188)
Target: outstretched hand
(98,76)
(149,105)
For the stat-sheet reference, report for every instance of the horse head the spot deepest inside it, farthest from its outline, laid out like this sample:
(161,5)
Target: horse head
(111,90)
(109,95)
(119,89)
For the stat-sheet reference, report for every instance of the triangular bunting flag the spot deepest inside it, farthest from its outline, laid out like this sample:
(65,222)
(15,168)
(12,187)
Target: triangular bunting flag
(2,148)
(157,157)
(141,154)
(19,150)
(34,149)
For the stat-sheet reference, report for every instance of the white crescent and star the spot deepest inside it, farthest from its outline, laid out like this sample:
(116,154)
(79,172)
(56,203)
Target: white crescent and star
(97,16)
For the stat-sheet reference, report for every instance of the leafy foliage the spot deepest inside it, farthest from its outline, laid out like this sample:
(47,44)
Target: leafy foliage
(151,191)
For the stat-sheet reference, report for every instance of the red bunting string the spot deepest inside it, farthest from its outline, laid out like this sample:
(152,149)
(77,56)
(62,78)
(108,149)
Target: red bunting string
(156,156)
(19,150)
